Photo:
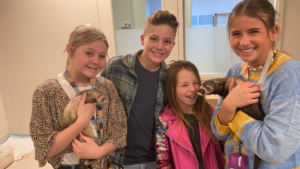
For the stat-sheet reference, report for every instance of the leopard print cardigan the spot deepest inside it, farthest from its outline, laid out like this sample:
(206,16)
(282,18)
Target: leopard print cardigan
(49,101)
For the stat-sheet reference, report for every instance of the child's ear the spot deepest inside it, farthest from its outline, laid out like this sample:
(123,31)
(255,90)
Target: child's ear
(142,39)
(274,32)
(69,49)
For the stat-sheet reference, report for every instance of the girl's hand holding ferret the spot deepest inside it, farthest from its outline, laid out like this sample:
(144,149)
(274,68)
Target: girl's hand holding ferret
(85,111)
(243,94)
(87,150)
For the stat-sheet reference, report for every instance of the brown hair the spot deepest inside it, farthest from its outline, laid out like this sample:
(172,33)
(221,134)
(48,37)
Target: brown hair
(83,35)
(161,17)
(260,9)
(202,110)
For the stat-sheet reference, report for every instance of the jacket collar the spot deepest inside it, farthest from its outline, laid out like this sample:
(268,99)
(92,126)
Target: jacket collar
(175,129)
(184,138)
(132,57)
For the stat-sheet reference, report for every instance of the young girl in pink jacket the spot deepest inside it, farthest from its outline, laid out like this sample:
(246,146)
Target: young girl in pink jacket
(183,135)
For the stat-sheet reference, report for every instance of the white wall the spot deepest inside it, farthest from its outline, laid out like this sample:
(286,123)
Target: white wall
(290,39)
(3,122)
(33,35)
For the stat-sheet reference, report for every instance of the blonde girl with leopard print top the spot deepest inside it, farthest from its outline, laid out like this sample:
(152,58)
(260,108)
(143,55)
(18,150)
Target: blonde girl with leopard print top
(87,51)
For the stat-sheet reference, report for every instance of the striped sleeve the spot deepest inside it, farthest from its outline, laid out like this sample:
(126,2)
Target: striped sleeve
(239,121)
(221,129)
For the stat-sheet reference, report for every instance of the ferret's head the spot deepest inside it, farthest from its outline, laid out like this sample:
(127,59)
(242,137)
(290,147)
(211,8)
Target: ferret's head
(206,88)
(94,95)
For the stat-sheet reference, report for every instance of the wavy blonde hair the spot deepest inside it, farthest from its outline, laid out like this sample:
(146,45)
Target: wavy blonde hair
(83,35)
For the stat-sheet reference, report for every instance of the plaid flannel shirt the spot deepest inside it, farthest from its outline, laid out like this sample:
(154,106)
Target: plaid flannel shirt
(120,70)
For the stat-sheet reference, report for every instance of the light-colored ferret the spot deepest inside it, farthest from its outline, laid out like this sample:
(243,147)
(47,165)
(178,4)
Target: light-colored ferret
(220,86)
(70,114)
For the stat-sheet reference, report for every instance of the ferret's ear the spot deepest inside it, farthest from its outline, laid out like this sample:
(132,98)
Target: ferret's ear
(208,88)
(101,99)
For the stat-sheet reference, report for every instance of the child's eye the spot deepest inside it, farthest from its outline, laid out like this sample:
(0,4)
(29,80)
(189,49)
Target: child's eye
(102,56)
(235,34)
(154,39)
(89,53)
(184,85)
(167,41)
(254,32)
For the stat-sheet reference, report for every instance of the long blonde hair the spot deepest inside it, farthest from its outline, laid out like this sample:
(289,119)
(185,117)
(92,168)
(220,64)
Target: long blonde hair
(202,110)
(83,35)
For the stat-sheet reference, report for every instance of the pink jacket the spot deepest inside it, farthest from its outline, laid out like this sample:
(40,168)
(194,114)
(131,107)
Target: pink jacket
(178,152)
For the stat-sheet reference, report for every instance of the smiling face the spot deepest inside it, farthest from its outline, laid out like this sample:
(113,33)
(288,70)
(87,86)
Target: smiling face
(88,60)
(187,88)
(158,43)
(250,39)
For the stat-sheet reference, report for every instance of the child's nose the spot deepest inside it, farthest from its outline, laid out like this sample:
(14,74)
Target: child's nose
(245,40)
(192,88)
(159,45)
(96,60)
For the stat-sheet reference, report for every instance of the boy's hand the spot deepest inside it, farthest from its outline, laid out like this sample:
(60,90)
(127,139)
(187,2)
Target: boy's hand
(85,112)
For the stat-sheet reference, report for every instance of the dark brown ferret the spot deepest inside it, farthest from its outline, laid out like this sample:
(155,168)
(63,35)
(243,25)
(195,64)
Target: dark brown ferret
(220,86)
(70,115)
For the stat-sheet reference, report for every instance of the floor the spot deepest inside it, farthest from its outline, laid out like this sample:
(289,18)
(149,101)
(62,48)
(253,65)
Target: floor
(29,163)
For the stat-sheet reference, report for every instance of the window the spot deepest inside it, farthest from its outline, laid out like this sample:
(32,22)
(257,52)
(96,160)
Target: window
(129,19)
(206,38)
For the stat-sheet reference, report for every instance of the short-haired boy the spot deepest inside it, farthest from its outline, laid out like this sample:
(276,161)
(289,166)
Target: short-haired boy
(139,79)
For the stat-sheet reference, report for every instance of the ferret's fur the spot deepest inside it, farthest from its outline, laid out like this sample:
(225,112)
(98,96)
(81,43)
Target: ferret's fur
(220,86)
(70,114)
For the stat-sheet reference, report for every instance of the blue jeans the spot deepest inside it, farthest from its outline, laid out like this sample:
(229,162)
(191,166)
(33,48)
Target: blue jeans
(148,165)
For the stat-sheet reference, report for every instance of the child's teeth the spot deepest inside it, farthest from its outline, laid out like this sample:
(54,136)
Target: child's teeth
(249,50)
(157,53)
